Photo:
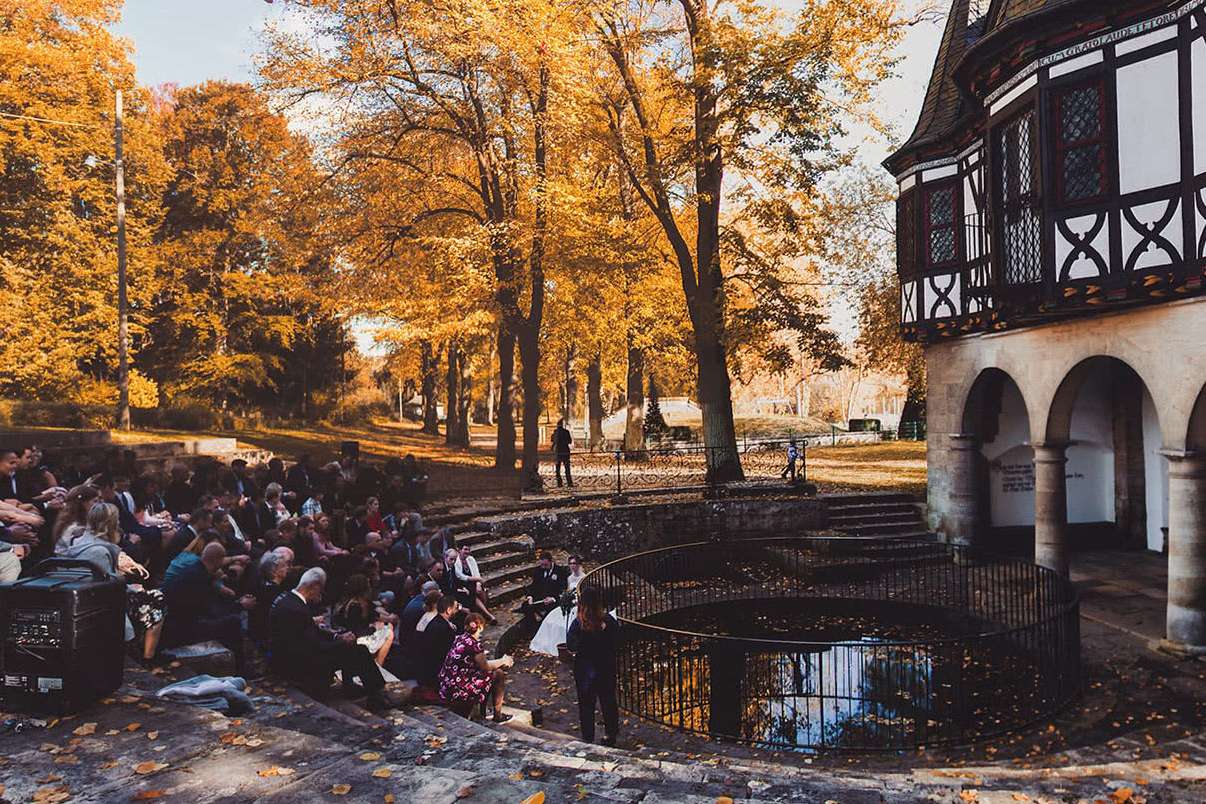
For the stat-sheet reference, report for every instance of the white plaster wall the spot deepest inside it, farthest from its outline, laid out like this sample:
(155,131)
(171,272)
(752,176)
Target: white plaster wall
(1090,473)
(1149,137)
(1155,476)
(1198,62)
(1163,343)
(1008,454)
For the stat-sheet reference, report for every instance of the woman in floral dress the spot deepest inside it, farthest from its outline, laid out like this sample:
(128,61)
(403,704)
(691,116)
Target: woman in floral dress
(468,677)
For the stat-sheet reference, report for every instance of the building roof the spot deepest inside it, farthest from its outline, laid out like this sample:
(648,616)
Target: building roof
(943,104)
(1006,11)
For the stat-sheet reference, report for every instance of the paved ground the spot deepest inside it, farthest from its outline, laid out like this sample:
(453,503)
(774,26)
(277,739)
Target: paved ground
(1137,735)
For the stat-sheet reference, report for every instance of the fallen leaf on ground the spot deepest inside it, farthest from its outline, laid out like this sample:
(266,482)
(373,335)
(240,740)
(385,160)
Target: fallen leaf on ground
(1122,795)
(535,773)
(152,735)
(276,771)
(52,795)
(724,800)
(340,789)
(389,798)
(67,759)
(149,795)
(134,727)
(465,791)
(517,776)
(85,730)
(143,768)
(1020,797)
(383,773)
(535,798)
(50,778)
(370,756)
(435,741)
(254,742)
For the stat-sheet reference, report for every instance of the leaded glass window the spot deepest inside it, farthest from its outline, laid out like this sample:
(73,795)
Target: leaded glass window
(906,234)
(1080,151)
(940,224)
(1021,251)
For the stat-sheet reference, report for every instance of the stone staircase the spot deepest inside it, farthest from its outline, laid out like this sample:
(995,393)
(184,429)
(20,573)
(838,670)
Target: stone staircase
(506,562)
(888,515)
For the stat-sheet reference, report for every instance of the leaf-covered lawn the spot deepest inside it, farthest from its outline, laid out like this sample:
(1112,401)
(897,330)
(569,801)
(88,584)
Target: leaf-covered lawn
(891,466)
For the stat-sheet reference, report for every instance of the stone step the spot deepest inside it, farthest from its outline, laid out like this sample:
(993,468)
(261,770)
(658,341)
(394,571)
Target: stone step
(506,544)
(475,537)
(842,520)
(881,528)
(508,592)
(870,508)
(516,572)
(499,560)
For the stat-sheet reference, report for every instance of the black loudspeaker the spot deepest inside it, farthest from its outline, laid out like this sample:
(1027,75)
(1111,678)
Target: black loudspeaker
(63,633)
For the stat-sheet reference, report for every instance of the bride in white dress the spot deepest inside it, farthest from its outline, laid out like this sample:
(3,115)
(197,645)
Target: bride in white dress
(552,631)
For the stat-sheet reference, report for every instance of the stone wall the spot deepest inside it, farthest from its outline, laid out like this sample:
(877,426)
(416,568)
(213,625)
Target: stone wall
(599,534)
(1163,344)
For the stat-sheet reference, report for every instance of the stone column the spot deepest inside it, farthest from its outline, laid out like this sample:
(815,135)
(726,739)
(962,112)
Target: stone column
(1051,506)
(964,514)
(1186,552)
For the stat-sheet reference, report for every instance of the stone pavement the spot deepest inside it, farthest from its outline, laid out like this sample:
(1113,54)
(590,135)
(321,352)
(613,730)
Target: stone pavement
(1138,734)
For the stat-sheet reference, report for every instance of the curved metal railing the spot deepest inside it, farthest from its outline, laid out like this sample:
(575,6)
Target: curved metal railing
(841,642)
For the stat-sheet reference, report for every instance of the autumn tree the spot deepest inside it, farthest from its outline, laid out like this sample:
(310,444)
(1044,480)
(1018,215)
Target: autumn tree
(236,254)
(60,67)
(461,99)
(700,87)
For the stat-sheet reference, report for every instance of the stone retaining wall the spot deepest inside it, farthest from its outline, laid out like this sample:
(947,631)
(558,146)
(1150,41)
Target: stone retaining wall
(600,534)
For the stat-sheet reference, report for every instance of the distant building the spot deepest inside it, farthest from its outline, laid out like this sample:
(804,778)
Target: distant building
(1051,247)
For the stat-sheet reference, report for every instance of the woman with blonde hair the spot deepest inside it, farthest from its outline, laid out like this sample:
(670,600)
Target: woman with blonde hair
(98,545)
(72,520)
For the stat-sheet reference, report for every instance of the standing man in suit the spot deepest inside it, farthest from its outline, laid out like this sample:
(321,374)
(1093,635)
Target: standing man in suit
(299,482)
(237,481)
(548,584)
(563,441)
(307,654)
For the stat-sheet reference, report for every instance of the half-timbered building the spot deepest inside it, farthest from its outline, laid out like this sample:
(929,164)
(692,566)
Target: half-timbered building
(1051,235)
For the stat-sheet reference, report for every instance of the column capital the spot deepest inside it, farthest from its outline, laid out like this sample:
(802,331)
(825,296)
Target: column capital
(1185,463)
(964,440)
(1050,451)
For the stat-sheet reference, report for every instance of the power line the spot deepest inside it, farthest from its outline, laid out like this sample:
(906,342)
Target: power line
(12,116)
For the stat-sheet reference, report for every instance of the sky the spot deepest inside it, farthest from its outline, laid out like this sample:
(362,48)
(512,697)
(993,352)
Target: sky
(186,42)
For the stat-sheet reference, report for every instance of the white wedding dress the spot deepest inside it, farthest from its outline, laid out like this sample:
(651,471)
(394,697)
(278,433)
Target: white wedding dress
(552,631)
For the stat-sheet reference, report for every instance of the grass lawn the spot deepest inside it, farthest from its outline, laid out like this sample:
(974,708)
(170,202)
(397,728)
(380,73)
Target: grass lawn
(890,466)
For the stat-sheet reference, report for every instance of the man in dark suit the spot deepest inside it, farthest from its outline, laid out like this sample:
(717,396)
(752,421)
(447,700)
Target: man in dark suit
(237,481)
(435,642)
(548,584)
(307,654)
(299,481)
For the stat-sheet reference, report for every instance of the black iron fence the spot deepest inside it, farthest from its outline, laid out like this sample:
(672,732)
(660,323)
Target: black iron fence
(841,643)
(618,471)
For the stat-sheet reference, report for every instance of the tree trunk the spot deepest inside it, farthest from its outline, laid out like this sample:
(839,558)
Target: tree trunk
(430,367)
(464,401)
(504,452)
(490,384)
(594,401)
(529,352)
(452,387)
(716,404)
(571,386)
(634,425)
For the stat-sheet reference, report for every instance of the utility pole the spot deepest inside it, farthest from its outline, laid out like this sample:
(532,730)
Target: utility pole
(123,359)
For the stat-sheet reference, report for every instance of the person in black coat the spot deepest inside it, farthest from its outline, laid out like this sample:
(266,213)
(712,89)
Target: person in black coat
(548,584)
(308,655)
(435,642)
(594,639)
(563,441)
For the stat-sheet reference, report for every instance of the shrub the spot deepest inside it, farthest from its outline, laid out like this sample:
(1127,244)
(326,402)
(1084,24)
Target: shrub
(191,416)
(35,413)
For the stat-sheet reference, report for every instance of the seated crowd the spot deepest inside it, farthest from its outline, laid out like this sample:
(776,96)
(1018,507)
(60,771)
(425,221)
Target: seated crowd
(315,568)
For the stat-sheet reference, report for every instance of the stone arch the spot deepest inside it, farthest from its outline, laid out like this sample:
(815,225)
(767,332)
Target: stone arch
(1195,438)
(983,396)
(1058,425)
(1105,420)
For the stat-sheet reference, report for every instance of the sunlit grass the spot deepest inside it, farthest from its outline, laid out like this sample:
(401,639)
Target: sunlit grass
(894,466)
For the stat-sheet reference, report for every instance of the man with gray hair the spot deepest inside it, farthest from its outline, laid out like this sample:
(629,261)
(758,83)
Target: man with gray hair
(307,654)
